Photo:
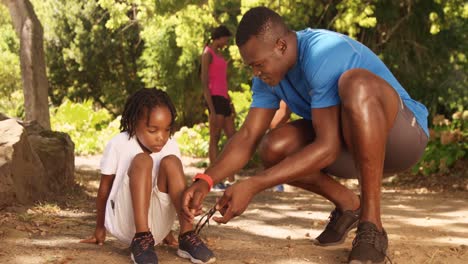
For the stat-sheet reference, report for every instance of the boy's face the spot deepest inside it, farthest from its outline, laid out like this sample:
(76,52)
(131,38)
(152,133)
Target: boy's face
(266,58)
(154,128)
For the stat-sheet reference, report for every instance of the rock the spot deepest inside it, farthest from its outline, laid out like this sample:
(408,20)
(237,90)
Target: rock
(56,151)
(34,163)
(22,175)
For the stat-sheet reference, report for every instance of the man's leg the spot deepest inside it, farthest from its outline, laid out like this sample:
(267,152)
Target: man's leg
(369,109)
(292,137)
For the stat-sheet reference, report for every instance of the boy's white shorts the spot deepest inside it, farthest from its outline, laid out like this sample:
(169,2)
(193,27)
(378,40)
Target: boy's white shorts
(119,214)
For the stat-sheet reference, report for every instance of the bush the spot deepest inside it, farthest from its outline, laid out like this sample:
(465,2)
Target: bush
(89,128)
(448,143)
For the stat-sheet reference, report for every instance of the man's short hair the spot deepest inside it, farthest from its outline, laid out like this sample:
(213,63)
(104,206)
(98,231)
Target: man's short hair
(256,22)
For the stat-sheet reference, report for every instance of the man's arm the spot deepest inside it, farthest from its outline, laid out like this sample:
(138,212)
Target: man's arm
(313,157)
(240,148)
(234,156)
(282,115)
(319,154)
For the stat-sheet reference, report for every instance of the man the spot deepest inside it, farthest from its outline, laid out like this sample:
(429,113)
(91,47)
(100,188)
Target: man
(358,122)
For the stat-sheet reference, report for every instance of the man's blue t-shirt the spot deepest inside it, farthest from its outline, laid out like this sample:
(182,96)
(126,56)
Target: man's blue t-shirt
(323,56)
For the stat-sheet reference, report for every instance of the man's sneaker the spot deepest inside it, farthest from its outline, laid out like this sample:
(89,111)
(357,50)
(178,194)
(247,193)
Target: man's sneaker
(369,246)
(193,248)
(339,225)
(142,248)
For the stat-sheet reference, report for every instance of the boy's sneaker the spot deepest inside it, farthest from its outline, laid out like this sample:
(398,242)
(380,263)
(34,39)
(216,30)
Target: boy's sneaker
(193,248)
(369,246)
(142,248)
(338,227)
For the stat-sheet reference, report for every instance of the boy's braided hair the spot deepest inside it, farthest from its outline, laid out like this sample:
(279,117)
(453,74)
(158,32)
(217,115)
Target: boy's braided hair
(144,100)
(256,23)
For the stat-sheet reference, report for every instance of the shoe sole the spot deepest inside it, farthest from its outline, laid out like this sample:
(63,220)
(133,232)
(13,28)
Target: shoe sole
(184,254)
(365,262)
(345,235)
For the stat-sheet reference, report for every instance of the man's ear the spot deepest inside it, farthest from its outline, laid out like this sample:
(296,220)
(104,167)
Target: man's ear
(281,45)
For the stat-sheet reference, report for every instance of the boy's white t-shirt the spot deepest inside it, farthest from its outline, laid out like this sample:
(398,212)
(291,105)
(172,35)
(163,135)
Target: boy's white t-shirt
(118,156)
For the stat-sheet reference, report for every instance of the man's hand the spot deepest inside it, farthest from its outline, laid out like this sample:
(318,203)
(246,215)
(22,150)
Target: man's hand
(234,201)
(192,199)
(98,238)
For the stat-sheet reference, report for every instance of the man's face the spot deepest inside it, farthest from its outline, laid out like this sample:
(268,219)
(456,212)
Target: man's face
(265,59)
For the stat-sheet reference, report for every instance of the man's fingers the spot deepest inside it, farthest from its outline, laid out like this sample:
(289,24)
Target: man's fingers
(225,218)
(222,202)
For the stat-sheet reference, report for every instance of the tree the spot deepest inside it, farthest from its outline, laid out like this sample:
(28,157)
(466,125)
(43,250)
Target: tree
(33,68)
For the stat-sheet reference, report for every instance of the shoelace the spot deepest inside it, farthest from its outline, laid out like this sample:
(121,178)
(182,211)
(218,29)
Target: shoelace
(143,243)
(368,236)
(193,239)
(334,215)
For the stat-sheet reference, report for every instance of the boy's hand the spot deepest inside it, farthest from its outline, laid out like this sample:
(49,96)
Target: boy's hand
(98,237)
(234,201)
(192,199)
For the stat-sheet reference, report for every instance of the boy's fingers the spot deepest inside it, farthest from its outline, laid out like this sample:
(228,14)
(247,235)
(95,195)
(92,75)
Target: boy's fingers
(91,240)
(196,203)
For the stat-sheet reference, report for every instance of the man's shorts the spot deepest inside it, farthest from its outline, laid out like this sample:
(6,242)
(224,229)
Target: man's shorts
(222,105)
(405,146)
(161,214)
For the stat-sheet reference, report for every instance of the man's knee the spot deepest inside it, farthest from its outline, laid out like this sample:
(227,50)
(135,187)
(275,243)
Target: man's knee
(270,149)
(356,87)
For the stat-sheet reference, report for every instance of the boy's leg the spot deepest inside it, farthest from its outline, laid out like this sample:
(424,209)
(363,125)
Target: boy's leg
(140,181)
(171,180)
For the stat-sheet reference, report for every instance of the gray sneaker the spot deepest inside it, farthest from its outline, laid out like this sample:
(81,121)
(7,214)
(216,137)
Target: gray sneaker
(192,247)
(142,249)
(338,227)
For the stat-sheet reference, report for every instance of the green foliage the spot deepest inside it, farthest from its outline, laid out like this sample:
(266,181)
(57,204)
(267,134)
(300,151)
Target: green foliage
(448,143)
(10,74)
(90,128)
(85,59)
(13,104)
(194,141)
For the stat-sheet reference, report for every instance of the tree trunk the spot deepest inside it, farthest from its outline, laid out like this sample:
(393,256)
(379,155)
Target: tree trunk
(32,59)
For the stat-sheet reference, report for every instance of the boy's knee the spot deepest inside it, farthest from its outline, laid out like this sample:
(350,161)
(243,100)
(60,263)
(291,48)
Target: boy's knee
(169,162)
(140,163)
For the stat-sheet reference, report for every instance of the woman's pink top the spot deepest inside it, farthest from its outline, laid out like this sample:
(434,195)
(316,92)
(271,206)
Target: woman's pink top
(217,74)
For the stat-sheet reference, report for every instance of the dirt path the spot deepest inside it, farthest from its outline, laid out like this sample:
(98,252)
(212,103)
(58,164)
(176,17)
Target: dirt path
(423,227)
